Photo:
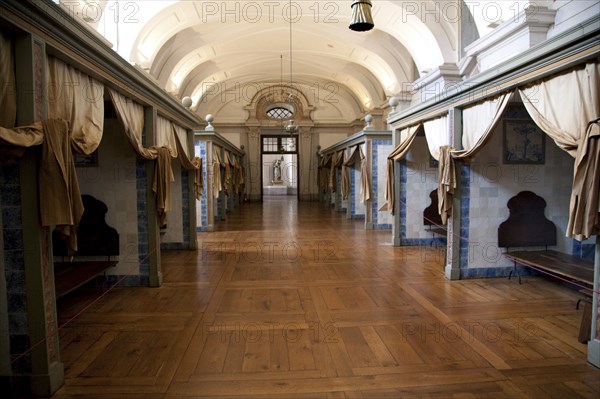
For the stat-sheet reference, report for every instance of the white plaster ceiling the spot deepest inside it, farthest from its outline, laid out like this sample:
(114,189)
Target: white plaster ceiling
(223,51)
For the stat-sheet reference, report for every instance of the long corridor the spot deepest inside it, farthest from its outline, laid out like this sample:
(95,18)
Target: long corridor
(293,300)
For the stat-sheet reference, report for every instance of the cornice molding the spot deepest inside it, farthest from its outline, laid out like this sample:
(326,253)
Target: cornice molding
(564,51)
(68,39)
(356,139)
(215,137)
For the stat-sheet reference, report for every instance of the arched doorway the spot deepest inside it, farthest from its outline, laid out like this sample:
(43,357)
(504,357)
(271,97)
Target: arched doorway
(279,165)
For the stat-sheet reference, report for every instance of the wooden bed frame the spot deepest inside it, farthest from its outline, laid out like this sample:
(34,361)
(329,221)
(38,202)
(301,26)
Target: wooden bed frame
(95,239)
(527,226)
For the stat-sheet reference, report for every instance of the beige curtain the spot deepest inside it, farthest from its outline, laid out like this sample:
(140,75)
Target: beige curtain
(436,133)
(478,122)
(228,176)
(365,182)
(365,178)
(60,199)
(131,116)
(345,177)
(23,136)
(584,214)
(237,174)
(324,172)
(446,182)
(78,99)
(216,165)
(407,137)
(337,161)
(351,160)
(161,186)
(165,135)
(194,164)
(8,88)
(564,105)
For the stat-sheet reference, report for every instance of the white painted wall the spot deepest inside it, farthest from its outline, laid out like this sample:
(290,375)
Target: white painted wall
(494,183)
(113,182)
(421,180)
(570,13)
(174,231)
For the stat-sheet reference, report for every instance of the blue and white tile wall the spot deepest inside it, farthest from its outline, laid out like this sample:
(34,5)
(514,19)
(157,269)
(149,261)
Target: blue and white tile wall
(14,266)
(201,206)
(357,208)
(493,183)
(418,179)
(142,223)
(341,204)
(380,149)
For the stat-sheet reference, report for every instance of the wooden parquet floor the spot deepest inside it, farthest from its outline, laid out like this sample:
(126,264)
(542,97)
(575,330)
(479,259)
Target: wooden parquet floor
(292,300)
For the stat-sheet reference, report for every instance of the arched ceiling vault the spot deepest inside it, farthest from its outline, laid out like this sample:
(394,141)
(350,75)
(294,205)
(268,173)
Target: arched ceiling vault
(189,46)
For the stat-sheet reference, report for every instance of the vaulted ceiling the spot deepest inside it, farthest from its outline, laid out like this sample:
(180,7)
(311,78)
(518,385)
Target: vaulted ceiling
(223,52)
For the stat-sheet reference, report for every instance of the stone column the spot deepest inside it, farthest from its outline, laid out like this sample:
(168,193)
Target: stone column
(455,236)
(254,170)
(308,189)
(36,357)
(397,182)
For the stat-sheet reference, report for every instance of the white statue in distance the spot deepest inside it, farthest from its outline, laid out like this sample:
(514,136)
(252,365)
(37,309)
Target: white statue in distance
(277,171)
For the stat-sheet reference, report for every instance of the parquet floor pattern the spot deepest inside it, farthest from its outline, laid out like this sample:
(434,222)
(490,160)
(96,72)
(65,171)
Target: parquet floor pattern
(292,300)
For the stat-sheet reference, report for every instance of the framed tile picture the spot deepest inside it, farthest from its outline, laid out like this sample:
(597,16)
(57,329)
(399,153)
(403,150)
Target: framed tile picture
(82,160)
(523,142)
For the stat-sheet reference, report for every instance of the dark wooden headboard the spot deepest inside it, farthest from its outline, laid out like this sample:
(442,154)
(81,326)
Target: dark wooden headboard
(526,225)
(94,236)
(431,215)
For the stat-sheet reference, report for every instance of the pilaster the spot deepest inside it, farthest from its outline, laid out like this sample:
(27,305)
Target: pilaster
(456,240)
(153,256)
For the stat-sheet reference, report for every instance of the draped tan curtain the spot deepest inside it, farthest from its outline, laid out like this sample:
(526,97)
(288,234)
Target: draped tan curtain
(345,177)
(240,174)
(365,183)
(165,135)
(365,178)
(23,136)
(446,182)
(8,88)
(228,176)
(479,121)
(567,107)
(131,116)
(407,137)
(584,214)
(78,99)
(195,163)
(564,105)
(161,185)
(436,133)
(337,161)
(216,165)
(60,199)
(323,172)
(237,174)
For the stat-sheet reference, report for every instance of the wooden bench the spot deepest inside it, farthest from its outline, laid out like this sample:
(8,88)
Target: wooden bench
(432,218)
(527,226)
(97,246)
